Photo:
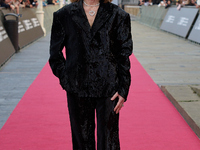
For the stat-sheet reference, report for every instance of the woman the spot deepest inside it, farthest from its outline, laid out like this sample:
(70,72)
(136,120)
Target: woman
(95,73)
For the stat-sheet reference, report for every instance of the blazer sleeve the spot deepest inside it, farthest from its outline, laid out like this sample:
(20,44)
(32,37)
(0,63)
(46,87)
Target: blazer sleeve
(57,60)
(124,39)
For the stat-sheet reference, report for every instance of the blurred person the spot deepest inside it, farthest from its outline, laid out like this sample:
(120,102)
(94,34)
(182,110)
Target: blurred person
(56,2)
(22,4)
(188,3)
(198,4)
(147,2)
(95,72)
(28,4)
(156,2)
(184,2)
(5,4)
(52,2)
(191,3)
(11,4)
(141,2)
(14,4)
(165,3)
(162,3)
(150,2)
(44,3)
(34,3)
(179,4)
(144,2)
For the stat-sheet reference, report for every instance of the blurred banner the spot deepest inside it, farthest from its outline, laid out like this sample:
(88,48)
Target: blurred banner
(180,21)
(195,33)
(29,28)
(6,47)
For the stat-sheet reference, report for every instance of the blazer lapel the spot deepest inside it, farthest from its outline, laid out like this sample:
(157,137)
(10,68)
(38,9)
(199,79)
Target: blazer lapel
(79,17)
(103,14)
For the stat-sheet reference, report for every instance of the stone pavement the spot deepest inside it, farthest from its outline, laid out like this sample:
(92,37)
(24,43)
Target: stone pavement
(174,65)
(18,74)
(171,61)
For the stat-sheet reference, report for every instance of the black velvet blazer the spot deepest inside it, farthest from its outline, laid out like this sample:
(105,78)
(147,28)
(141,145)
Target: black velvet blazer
(97,58)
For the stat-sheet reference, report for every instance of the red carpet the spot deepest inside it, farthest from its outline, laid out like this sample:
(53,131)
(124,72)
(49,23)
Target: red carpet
(148,120)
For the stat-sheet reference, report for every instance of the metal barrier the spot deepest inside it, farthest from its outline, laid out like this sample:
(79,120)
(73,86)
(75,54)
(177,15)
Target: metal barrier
(6,47)
(11,27)
(133,10)
(21,31)
(128,2)
(152,16)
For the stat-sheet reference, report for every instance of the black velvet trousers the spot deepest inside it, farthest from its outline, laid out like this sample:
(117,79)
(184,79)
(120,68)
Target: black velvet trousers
(82,118)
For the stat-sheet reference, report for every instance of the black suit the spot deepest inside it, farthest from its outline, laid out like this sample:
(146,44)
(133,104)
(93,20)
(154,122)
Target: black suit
(97,61)
(97,58)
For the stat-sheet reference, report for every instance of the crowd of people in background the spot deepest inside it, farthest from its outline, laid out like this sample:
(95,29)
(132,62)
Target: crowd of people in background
(168,3)
(14,5)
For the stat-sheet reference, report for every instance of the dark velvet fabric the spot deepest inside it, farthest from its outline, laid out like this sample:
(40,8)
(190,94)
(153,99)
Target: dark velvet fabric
(97,58)
(82,118)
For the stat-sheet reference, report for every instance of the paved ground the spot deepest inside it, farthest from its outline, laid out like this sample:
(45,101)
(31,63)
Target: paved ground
(174,64)
(171,61)
(18,74)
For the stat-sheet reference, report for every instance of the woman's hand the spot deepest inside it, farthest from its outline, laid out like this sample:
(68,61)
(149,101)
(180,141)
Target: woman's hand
(119,103)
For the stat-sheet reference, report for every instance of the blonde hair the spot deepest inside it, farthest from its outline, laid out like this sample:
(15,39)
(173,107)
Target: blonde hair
(105,1)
